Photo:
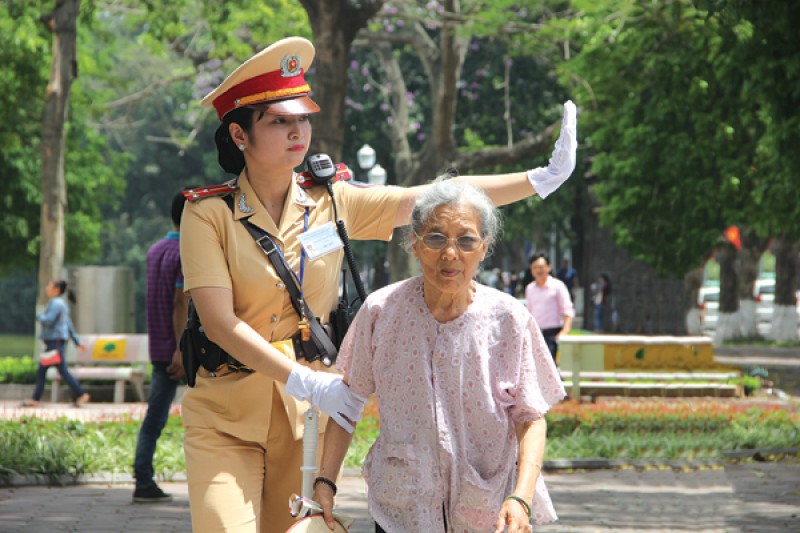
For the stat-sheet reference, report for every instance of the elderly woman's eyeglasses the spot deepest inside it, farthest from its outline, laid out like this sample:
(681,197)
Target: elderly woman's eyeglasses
(437,241)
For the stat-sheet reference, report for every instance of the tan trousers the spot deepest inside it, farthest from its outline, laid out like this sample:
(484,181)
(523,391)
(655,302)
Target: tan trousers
(237,486)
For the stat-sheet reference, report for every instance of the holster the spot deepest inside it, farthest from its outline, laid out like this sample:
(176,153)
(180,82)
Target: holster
(198,350)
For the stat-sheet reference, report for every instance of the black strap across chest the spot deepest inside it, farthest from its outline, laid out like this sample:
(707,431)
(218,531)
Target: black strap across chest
(325,346)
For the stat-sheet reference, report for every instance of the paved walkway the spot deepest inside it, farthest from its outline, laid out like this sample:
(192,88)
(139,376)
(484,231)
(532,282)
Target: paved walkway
(757,497)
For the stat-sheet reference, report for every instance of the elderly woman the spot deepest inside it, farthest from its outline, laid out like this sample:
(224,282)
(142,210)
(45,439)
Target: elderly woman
(463,379)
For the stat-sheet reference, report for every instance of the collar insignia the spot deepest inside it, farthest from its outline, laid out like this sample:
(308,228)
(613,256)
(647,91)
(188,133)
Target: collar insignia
(243,207)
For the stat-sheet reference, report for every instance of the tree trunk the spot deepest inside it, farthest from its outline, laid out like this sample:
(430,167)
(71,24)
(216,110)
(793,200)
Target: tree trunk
(335,24)
(727,323)
(784,321)
(748,269)
(62,22)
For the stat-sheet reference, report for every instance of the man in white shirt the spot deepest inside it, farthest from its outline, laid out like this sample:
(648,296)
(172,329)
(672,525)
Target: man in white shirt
(549,302)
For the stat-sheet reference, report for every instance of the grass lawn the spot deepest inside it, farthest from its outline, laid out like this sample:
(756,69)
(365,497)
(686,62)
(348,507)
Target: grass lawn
(16,345)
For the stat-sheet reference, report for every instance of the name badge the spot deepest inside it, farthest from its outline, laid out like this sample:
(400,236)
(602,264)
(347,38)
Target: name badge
(320,241)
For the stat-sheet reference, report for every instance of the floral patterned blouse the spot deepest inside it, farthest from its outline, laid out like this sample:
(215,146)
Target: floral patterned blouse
(449,396)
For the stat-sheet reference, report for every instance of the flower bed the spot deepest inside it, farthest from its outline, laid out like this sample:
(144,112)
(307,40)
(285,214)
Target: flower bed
(657,429)
(644,429)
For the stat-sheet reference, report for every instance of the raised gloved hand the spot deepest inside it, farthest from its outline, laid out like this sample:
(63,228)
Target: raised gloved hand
(328,393)
(562,163)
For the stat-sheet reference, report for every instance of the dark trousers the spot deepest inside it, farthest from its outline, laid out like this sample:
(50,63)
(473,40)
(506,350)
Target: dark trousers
(41,372)
(162,392)
(549,335)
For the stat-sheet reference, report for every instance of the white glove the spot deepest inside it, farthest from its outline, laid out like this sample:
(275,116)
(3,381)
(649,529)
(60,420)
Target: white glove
(547,180)
(328,393)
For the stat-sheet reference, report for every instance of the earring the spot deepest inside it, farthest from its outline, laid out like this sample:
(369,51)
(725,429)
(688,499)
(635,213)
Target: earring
(241,147)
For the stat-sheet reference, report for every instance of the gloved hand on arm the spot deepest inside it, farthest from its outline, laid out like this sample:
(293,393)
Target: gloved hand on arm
(562,163)
(328,393)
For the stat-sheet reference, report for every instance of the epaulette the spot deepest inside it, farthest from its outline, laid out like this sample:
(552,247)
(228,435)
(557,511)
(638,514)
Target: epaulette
(342,174)
(199,193)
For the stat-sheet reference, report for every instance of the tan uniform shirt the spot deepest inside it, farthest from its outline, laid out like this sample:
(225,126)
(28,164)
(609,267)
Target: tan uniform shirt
(217,251)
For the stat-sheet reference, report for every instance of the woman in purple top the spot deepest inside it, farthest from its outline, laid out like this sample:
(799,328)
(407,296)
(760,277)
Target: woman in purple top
(463,379)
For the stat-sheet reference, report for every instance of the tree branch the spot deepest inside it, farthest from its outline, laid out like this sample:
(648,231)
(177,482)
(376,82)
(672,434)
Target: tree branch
(147,91)
(530,146)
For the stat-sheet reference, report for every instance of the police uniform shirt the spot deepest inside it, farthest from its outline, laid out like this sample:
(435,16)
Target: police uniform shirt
(217,251)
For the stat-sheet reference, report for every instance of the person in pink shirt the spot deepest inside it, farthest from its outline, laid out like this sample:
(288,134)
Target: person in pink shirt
(548,300)
(463,379)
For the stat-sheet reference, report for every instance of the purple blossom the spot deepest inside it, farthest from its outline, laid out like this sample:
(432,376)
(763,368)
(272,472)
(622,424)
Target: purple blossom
(384,107)
(415,125)
(353,65)
(421,136)
(389,28)
(365,71)
(366,87)
(353,105)
(389,119)
(409,97)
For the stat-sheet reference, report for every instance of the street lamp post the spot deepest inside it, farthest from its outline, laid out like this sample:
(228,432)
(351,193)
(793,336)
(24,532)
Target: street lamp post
(366,157)
(375,175)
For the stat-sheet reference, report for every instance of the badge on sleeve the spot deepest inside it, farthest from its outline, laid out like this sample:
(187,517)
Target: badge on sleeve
(320,241)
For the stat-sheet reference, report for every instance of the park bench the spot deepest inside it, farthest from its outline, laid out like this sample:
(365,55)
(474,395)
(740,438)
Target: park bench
(621,364)
(121,358)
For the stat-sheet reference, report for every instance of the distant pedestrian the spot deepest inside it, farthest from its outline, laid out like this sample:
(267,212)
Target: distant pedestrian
(166,306)
(57,329)
(601,297)
(549,302)
(569,277)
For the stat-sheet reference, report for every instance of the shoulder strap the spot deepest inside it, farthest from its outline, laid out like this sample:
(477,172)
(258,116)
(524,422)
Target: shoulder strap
(321,340)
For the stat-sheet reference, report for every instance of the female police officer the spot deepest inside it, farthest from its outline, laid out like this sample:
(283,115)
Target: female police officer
(243,456)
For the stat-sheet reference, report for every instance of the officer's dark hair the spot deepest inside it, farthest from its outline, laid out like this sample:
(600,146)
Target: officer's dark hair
(177,206)
(230,158)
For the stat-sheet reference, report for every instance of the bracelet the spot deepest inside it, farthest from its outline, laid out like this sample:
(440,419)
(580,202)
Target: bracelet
(522,502)
(328,482)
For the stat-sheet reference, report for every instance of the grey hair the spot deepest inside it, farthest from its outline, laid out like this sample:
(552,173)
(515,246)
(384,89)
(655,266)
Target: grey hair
(445,192)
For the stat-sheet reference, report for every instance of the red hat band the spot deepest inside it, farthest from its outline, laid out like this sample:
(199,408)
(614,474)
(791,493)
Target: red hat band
(270,86)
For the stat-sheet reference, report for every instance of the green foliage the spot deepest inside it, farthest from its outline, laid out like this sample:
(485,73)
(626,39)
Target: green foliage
(92,182)
(689,117)
(70,447)
(660,124)
(18,369)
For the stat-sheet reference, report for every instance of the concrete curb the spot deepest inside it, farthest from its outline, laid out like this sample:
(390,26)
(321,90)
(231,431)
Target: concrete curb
(103,478)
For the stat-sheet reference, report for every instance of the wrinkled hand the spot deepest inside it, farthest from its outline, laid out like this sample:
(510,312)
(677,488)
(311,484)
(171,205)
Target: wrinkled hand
(513,516)
(328,393)
(562,163)
(323,495)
